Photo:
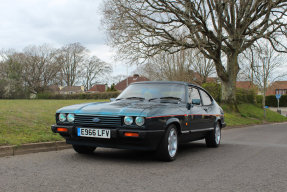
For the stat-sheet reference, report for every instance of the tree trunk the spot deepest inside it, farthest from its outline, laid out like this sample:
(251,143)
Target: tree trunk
(228,91)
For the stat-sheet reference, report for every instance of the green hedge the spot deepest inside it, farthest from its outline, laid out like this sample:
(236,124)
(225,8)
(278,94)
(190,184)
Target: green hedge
(214,90)
(245,96)
(271,101)
(242,95)
(105,95)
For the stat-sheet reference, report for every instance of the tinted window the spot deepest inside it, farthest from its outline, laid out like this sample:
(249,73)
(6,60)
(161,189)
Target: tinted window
(206,100)
(155,90)
(193,94)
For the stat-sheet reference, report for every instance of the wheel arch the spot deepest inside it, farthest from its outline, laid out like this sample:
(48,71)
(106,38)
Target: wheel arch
(218,120)
(174,121)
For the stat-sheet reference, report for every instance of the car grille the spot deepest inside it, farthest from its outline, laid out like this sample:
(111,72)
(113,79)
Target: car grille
(105,121)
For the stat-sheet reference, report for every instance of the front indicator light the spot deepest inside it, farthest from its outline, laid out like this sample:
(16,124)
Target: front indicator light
(127,134)
(139,121)
(60,129)
(128,120)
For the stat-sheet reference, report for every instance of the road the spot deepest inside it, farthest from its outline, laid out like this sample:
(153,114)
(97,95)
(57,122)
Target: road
(249,159)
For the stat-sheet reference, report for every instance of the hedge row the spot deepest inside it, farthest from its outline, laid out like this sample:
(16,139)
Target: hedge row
(105,95)
(271,101)
(242,95)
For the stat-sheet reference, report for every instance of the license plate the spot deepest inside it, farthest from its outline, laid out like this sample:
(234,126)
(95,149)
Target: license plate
(97,133)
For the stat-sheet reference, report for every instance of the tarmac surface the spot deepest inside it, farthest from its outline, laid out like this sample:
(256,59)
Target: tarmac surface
(249,159)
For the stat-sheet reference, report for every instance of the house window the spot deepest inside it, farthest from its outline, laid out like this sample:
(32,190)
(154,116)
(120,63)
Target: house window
(281,91)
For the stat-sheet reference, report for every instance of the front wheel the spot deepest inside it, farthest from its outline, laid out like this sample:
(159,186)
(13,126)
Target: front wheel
(84,149)
(213,138)
(168,147)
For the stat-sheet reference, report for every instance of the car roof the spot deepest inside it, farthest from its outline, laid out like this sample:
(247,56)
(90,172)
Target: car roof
(167,82)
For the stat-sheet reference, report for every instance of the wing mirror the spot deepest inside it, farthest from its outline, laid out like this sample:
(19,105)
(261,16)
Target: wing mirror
(195,101)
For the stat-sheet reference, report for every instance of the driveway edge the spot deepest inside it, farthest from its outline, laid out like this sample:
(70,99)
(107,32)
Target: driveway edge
(33,148)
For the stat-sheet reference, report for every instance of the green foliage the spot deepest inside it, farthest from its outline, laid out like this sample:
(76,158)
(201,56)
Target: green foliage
(259,99)
(214,90)
(242,95)
(250,114)
(246,96)
(112,88)
(271,101)
(104,95)
(29,121)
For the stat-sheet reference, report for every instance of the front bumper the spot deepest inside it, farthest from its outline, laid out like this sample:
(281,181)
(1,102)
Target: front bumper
(147,140)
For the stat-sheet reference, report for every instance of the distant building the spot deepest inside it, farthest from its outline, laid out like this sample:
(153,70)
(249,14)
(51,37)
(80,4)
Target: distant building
(72,89)
(98,88)
(245,85)
(54,89)
(124,83)
(277,87)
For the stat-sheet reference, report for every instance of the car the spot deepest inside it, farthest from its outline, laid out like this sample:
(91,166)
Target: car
(150,115)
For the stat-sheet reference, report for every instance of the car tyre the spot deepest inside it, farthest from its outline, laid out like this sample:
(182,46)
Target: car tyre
(84,149)
(167,149)
(213,137)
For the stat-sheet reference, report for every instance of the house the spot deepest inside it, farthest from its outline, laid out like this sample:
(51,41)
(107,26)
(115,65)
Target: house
(97,88)
(245,85)
(277,87)
(124,83)
(54,89)
(72,89)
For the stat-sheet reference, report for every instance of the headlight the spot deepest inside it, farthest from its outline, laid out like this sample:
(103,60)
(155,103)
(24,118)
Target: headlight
(71,117)
(128,120)
(62,117)
(139,121)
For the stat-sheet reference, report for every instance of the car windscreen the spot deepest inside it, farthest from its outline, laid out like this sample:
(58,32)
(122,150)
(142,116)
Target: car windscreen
(152,91)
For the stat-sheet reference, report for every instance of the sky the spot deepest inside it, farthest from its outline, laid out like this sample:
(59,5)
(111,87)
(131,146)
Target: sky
(57,23)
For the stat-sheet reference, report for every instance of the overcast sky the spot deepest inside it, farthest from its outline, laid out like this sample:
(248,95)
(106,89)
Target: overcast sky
(56,22)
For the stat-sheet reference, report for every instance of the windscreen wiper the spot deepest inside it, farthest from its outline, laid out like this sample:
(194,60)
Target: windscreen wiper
(139,98)
(175,98)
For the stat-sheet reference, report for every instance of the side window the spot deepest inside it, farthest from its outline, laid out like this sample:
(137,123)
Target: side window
(193,94)
(206,100)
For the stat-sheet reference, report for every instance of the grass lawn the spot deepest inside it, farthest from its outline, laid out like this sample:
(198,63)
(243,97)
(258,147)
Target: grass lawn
(250,114)
(29,121)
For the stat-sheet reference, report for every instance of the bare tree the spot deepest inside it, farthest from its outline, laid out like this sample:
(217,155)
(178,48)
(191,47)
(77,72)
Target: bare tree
(71,57)
(39,67)
(222,28)
(263,65)
(185,65)
(95,70)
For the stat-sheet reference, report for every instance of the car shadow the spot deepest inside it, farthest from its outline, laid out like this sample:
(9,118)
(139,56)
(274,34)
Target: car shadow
(124,155)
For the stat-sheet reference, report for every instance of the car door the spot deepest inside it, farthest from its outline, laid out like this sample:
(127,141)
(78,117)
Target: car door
(195,118)
(207,106)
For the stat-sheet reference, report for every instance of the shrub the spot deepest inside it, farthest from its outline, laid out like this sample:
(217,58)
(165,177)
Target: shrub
(271,101)
(246,96)
(105,95)
(214,90)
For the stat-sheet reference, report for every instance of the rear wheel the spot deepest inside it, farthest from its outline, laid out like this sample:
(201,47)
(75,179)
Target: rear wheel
(84,149)
(167,150)
(213,137)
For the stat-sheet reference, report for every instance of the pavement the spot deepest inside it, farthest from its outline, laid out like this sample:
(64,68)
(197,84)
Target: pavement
(283,110)
(249,159)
